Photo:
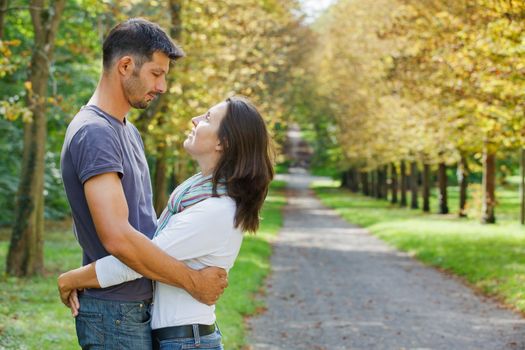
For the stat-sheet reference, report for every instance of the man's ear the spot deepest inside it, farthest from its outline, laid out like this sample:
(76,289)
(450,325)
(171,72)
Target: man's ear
(125,65)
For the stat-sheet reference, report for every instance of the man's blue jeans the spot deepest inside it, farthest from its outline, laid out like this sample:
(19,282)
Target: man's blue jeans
(108,324)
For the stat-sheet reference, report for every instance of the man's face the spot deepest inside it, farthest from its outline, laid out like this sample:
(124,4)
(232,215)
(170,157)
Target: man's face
(144,84)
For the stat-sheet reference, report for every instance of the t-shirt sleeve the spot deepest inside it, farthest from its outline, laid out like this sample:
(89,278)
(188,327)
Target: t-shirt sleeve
(95,149)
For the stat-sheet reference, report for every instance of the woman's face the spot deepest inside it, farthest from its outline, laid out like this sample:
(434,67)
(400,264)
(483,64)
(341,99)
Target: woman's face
(203,139)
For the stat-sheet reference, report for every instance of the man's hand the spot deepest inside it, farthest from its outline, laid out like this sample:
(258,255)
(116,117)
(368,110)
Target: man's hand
(209,284)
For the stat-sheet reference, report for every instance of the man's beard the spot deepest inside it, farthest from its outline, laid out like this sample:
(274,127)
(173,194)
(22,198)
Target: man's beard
(133,87)
(139,104)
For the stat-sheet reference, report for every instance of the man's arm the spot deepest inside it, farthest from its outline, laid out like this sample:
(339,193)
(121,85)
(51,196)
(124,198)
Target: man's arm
(109,210)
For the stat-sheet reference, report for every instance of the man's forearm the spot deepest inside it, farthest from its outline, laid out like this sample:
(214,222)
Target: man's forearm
(139,253)
(109,210)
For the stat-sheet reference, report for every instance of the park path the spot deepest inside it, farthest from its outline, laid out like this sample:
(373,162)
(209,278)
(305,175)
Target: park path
(335,286)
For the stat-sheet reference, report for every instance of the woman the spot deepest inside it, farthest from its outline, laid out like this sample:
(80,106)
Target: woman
(203,222)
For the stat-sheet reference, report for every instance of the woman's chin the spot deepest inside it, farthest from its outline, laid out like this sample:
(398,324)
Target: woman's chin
(187,145)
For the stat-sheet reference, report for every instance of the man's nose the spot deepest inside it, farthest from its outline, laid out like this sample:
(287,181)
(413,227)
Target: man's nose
(161,85)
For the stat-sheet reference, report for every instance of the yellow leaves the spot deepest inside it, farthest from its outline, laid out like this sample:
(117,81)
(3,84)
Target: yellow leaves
(228,57)
(176,88)
(27,115)
(13,111)
(231,47)
(6,65)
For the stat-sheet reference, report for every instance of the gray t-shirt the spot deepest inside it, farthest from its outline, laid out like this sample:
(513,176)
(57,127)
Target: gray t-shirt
(96,143)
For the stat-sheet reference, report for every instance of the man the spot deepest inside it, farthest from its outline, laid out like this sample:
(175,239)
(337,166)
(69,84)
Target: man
(108,187)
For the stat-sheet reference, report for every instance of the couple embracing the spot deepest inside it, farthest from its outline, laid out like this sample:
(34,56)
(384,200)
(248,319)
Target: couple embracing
(189,249)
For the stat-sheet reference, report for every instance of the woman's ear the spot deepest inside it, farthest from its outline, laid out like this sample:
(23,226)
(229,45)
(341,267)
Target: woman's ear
(221,145)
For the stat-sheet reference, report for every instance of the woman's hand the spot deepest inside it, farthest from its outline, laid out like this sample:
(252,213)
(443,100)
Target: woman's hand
(68,294)
(65,288)
(74,304)
(69,282)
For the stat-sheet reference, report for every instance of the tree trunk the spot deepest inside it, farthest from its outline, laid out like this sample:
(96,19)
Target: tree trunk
(372,178)
(522,187)
(160,196)
(364,183)
(462,174)
(489,186)
(394,184)
(378,184)
(354,183)
(25,256)
(147,115)
(159,186)
(384,181)
(442,184)
(344,179)
(413,185)
(173,183)
(404,182)
(426,188)
(3,11)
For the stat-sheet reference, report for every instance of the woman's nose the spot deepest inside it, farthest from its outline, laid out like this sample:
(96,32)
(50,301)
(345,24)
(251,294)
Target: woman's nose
(196,120)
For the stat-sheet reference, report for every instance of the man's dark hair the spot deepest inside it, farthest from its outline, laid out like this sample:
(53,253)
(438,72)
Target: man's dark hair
(139,38)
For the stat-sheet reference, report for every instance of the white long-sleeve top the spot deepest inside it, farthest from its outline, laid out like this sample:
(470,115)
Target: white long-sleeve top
(200,236)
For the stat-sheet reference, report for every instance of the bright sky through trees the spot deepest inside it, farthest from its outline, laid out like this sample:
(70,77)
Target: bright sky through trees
(313,8)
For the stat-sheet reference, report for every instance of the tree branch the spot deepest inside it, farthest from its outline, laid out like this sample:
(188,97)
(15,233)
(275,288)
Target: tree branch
(35,10)
(54,21)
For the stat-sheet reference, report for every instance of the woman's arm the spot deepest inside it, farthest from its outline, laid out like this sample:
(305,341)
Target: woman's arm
(196,232)
(83,277)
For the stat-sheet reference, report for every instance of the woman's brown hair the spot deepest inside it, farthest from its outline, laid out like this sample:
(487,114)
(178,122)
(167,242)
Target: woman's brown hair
(246,161)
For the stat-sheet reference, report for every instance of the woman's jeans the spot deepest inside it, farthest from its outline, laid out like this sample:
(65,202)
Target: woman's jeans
(107,324)
(208,342)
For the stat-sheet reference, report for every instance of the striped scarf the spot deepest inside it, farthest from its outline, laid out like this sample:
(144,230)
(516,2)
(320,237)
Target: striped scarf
(195,189)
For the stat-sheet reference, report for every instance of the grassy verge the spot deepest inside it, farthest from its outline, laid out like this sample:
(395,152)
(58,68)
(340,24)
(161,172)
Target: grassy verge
(490,257)
(32,317)
(246,277)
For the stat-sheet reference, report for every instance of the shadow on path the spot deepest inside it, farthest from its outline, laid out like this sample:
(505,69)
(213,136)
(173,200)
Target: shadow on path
(334,286)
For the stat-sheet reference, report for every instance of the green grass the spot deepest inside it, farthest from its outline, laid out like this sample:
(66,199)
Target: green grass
(32,316)
(247,276)
(490,257)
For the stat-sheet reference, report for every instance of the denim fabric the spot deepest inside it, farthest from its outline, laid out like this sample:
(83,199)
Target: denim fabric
(108,324)
(207,342)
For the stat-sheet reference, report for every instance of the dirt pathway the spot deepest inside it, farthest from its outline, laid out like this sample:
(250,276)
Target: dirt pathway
(334,286)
